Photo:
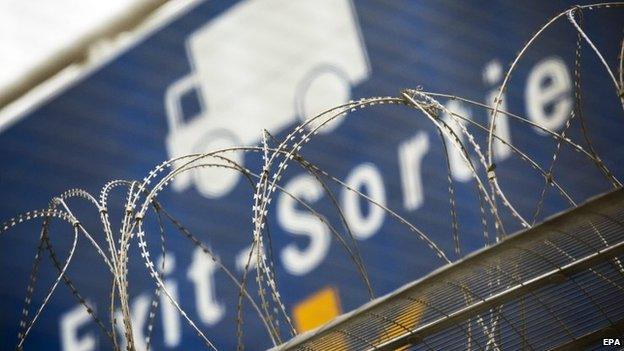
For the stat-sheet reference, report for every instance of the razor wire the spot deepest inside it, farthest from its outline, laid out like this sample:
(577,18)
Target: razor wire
(276,155)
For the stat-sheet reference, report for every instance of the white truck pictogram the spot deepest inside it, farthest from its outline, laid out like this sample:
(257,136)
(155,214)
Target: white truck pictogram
(261,65)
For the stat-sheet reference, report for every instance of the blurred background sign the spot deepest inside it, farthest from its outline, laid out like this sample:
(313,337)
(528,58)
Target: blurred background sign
(192,76)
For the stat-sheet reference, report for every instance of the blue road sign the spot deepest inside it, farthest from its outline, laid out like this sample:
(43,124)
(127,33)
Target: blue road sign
(219,73)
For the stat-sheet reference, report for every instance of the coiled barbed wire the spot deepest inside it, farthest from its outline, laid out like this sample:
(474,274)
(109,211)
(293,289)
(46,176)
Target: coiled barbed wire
(458,133)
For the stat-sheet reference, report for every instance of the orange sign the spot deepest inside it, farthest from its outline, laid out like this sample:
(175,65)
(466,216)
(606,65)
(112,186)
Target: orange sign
(317,309)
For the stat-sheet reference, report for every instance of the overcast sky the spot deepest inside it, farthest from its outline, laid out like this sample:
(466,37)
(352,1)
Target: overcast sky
(31,32)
